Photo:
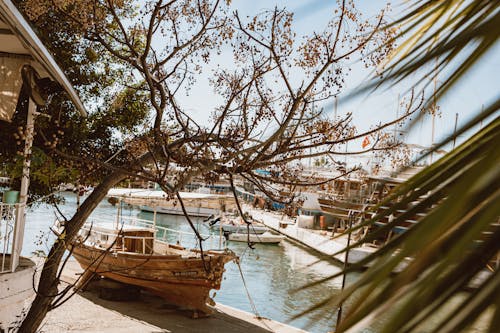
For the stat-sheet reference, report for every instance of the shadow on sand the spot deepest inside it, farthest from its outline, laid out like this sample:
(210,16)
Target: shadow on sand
(153,310)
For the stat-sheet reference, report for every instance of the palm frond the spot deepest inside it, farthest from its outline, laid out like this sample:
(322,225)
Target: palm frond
(457,197)
(448,247)
(442,30)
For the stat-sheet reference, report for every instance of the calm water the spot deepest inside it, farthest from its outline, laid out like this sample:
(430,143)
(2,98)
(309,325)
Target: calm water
(271,272)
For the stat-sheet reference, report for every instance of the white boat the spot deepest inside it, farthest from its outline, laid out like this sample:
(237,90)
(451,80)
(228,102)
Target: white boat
(267,237)
(196,204)
(241,228)
(236,225)
(191,211)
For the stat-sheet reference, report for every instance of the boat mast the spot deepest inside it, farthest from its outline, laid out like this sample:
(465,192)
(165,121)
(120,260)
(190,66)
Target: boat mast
(335,109)
(222,217)
(346,261)
(118,213)
(434,110)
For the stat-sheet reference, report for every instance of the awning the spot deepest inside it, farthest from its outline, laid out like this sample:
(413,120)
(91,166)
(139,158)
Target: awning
(19,45)
(10,85)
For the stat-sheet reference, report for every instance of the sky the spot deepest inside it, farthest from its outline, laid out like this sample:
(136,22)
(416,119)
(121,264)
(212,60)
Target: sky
(479,86)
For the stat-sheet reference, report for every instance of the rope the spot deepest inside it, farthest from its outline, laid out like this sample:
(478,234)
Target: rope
(252,304)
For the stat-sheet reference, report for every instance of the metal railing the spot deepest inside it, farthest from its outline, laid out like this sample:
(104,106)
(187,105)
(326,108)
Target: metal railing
(184,238)
(161,234)
(95,237)
(7,220)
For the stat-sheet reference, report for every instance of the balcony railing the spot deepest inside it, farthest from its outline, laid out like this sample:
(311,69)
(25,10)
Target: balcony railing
(8,214)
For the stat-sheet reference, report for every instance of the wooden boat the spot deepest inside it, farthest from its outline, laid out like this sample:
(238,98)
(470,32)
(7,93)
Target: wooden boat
(267,237)
(338,208)
(131,254)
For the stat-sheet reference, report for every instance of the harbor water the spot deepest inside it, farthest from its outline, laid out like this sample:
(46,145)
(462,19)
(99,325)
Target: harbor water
(272,273)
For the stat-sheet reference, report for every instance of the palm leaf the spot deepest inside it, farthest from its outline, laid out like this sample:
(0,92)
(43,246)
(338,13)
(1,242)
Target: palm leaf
(458,196)
(449,246)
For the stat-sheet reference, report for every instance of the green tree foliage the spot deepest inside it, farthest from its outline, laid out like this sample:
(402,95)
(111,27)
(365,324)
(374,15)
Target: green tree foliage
(99,80)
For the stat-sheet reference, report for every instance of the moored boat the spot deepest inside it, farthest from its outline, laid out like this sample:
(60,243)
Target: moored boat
(155,201)
(236,225)
(177,210)
(267,237)
(132,254)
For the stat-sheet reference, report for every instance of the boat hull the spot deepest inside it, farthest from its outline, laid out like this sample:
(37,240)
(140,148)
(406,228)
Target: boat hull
(339,209)
(266,238)
(185,282)
(240,228)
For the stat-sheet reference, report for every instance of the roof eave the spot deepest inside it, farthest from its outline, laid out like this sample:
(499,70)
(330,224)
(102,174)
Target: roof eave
(22,29)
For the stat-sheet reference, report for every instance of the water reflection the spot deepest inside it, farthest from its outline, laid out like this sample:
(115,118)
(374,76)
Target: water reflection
(273,273)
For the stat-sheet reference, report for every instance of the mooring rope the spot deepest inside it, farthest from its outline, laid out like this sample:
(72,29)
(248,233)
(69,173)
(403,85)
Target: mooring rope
(252,304)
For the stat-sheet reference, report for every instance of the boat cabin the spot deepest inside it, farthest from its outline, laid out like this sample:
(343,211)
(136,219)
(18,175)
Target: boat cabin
(127,238)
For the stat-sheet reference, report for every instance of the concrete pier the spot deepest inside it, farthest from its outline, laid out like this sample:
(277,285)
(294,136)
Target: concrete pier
(317,240)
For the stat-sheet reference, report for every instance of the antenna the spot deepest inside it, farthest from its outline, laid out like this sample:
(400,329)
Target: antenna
(434,106)
(335,108)
(397,115)
(455,130)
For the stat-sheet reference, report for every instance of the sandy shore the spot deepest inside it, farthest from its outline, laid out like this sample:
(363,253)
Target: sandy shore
(86,312)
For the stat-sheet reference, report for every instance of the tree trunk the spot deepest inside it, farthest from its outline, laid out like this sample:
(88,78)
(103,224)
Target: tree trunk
(48,285)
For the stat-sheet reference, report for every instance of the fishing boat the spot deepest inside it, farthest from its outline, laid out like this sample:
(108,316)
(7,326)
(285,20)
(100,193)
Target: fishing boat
(135,252)
(346,196)
(266,237)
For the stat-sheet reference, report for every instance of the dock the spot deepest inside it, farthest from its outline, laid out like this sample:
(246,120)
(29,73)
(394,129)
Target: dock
(316,240)
(86,312)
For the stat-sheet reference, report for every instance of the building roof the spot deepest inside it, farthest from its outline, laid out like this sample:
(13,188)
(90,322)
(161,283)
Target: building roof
(18,39)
